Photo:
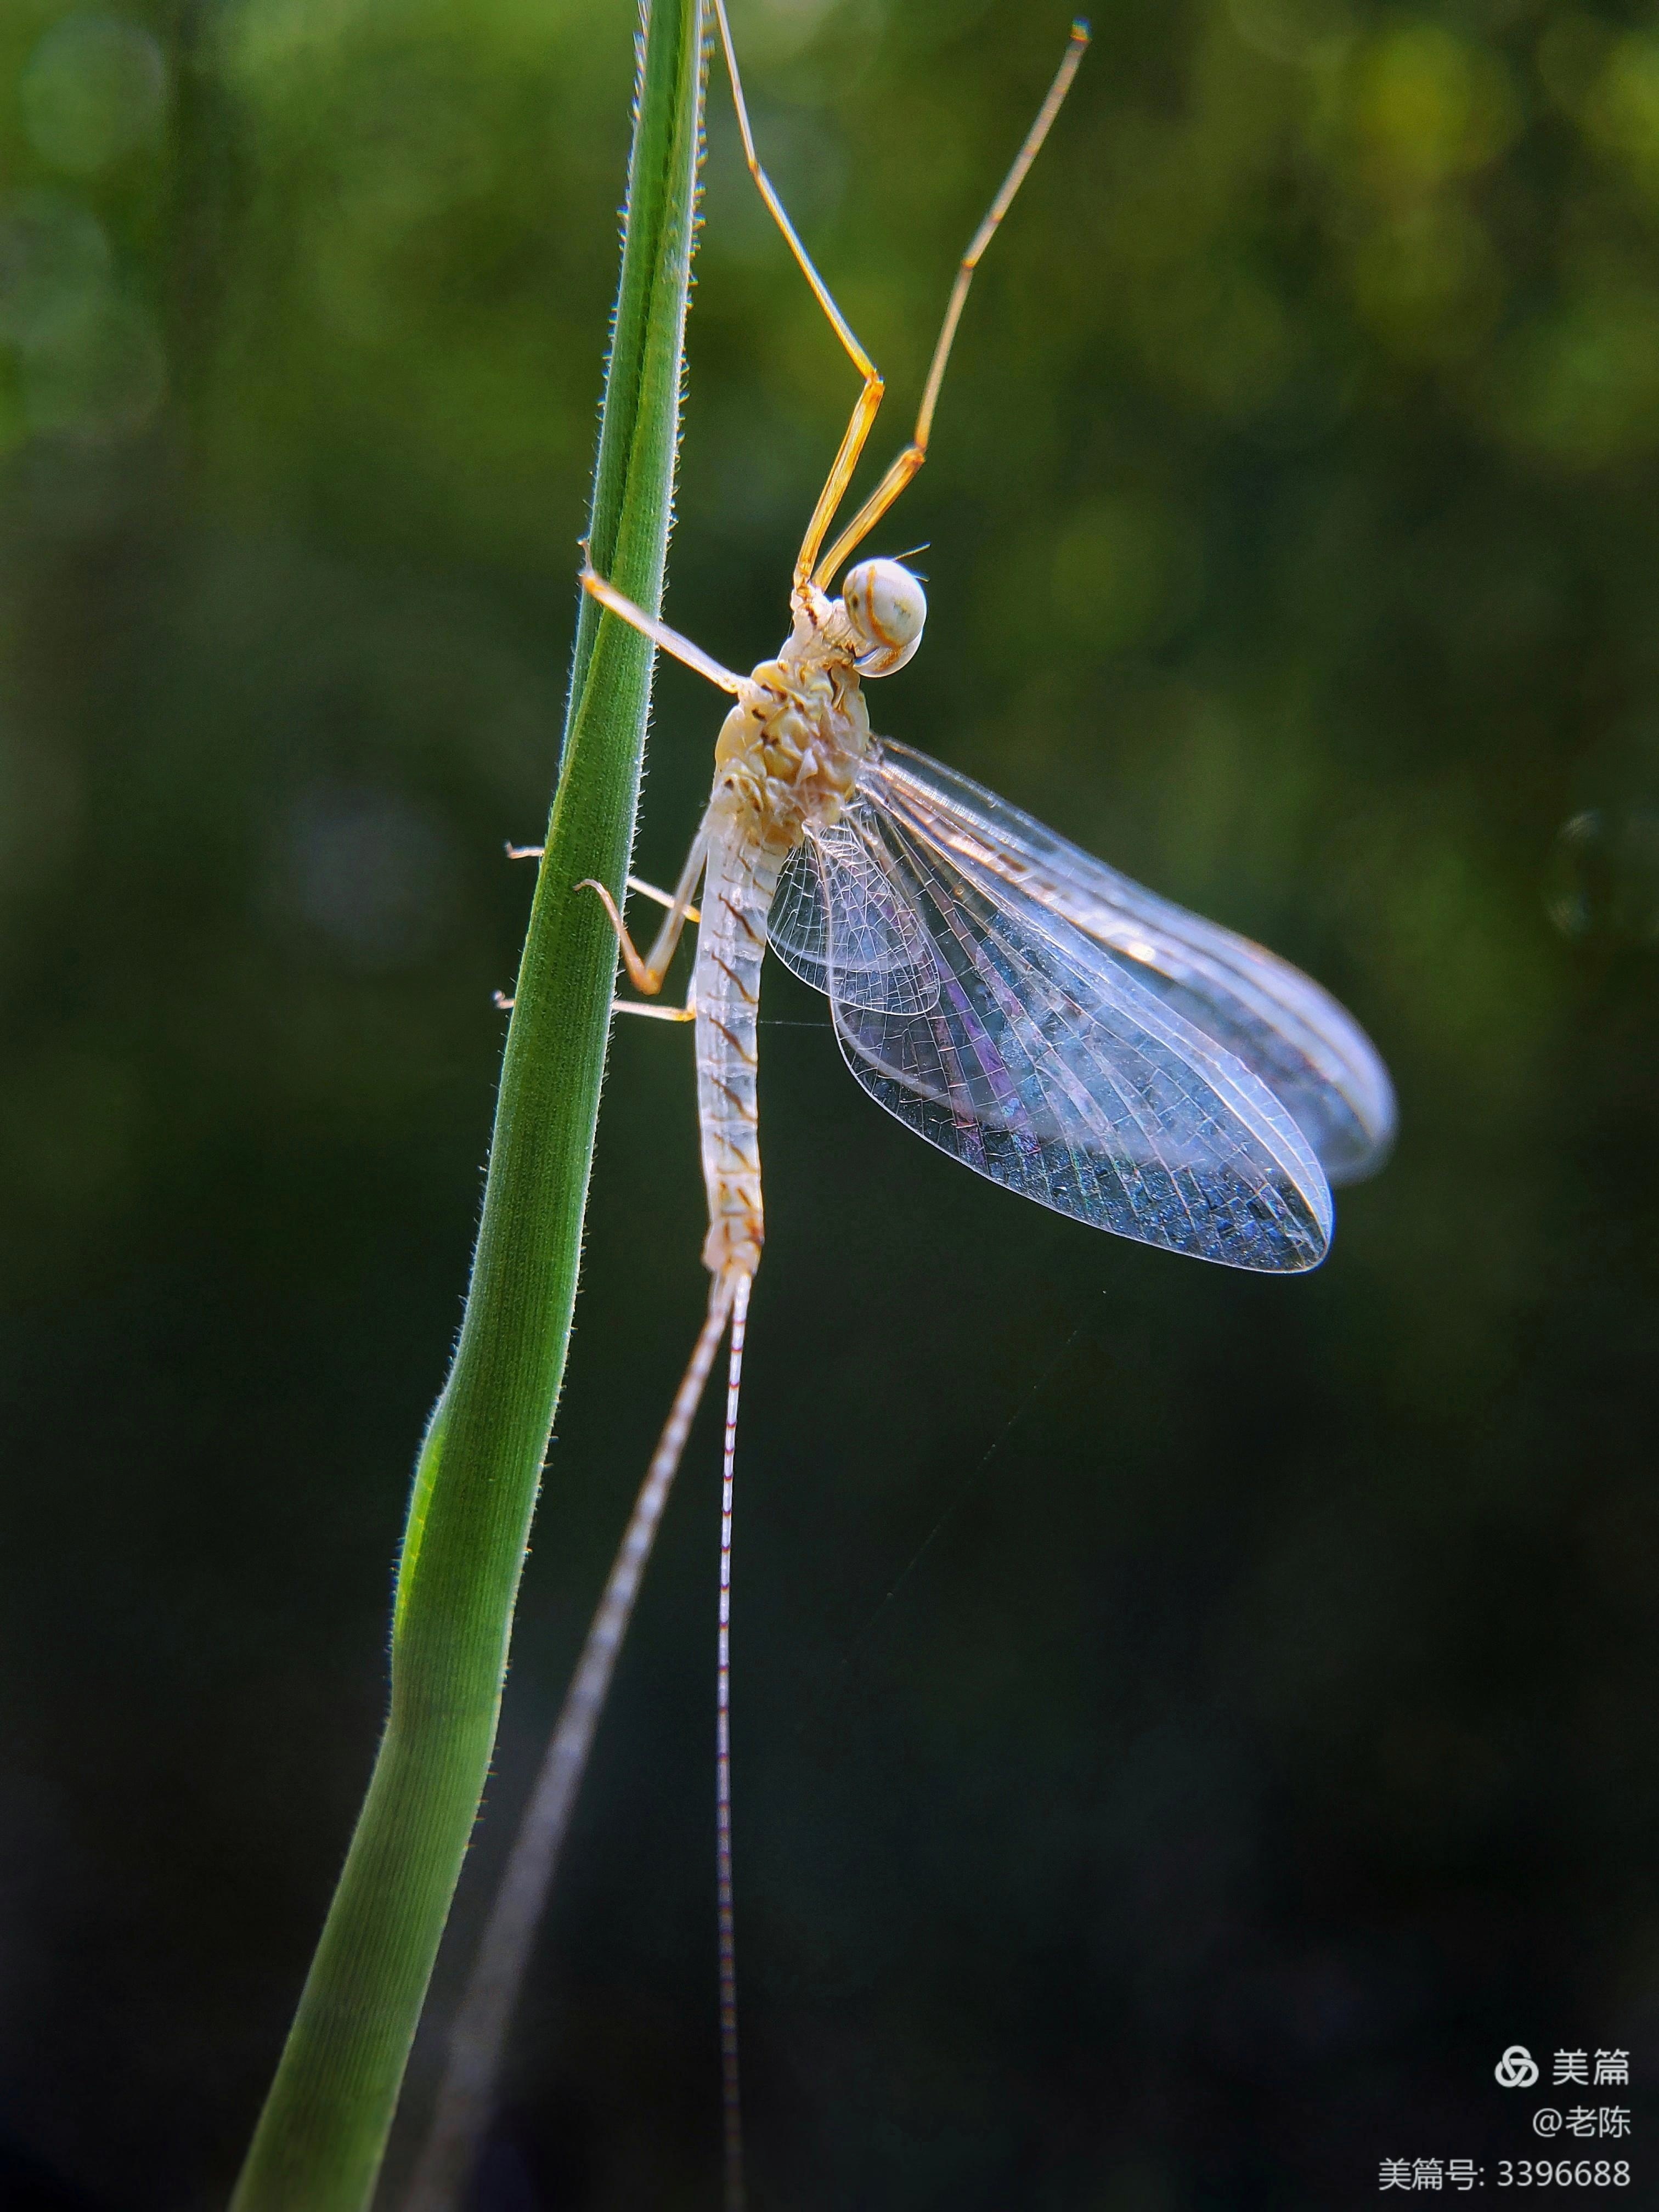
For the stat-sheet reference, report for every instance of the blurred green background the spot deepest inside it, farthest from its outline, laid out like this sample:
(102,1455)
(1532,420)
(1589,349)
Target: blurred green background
(1187,1725)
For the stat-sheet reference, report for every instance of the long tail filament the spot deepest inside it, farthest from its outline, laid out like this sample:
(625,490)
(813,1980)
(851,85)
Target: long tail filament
(466,2096)
(732,2107)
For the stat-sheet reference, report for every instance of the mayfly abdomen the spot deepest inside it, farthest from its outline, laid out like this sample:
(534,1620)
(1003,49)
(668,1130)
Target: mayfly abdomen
(741,877)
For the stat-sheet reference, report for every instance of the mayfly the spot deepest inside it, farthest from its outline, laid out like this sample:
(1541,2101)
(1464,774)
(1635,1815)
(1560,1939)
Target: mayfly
(1019,1005)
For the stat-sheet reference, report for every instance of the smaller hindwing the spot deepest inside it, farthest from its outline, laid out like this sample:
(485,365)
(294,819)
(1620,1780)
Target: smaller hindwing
(839,924)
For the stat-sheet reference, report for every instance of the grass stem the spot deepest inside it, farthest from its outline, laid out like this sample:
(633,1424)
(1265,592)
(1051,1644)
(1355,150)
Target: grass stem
(320,2139)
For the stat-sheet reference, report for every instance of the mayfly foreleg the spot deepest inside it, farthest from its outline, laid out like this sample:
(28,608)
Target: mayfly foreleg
(910,460)
(669,640)
(869,400)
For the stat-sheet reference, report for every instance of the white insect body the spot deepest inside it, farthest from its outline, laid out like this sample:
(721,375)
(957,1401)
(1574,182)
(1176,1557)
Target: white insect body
(787,764)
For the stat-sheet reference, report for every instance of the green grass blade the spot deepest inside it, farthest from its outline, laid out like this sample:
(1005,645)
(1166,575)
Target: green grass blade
(319,2141)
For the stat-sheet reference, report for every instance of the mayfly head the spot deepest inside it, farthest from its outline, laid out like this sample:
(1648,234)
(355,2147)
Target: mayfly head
(885,608)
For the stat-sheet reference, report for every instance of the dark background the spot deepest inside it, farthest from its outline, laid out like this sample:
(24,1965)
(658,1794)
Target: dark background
(1187,1725)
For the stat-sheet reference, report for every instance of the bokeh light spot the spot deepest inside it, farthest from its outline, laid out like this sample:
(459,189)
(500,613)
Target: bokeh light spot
(103,374)
(93,90)
(1428,281)
(1125,571)
(54,266)
(1429,107)
(365,869)
(1582,385)
(1623,111)
(1603,880)
(1307,31)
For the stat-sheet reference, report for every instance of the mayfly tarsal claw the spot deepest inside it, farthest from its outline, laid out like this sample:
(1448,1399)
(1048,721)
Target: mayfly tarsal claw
(523,852)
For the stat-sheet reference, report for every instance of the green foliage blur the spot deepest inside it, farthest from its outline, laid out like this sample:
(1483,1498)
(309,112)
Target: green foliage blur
(1186,1726)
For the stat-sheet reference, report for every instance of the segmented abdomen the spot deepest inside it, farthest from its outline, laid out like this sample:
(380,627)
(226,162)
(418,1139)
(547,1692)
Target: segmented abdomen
(741,875)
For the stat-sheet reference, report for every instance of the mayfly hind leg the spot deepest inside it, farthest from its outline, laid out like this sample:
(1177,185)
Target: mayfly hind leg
(688,1012)
(911,459)
(647,974)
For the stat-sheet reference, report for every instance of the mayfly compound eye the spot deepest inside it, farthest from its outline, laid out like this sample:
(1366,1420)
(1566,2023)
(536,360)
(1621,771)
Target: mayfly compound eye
(886,607)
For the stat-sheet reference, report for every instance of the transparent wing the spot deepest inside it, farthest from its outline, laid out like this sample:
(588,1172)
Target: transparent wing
(832,893)
(798,926)
(1307,1049)
(1043,1065)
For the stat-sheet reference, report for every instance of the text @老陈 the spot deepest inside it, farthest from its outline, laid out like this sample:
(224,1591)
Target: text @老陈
(1582,2120)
